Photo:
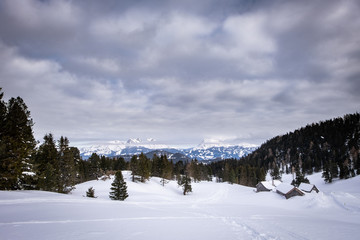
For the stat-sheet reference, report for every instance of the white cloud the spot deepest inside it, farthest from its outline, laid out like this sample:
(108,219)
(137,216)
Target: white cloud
(87,70)
(179,29)
(25,68)
(247,43)
(248,34)
(105,65)
(116,26)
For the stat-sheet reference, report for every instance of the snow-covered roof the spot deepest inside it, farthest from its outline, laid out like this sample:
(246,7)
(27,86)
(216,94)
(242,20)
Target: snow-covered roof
(284,188)
(277,183)
(267,185)
(271,184)
(306,187)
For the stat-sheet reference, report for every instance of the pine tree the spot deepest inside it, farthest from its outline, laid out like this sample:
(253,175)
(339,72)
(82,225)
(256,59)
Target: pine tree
(166,169)
(119,164)
(144,167)
(48,179)
(156,166)
(326,173)
(163,181)
(243,175)
(17,144)
(134,167)
(185,182)
(226,172)
(334,171)
(300,178)
(232,177)
(95,170)
(90,193)
(47,165)
(119,188)
(67,175)
(275,173)
(193,169)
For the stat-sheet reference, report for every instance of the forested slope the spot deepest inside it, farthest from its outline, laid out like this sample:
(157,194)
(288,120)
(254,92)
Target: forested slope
(331,146)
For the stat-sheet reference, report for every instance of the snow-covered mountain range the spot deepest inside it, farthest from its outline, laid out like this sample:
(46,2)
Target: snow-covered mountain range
(206,151)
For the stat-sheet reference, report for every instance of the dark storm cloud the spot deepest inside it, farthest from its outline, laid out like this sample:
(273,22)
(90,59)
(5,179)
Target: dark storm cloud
(180,69)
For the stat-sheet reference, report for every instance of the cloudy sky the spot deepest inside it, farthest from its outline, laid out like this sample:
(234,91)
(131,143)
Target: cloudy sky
(180,71)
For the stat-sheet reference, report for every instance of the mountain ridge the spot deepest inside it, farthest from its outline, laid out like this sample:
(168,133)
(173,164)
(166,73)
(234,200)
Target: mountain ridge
(202,152)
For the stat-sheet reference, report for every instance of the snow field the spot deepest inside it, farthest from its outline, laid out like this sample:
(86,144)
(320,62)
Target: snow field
(212,211)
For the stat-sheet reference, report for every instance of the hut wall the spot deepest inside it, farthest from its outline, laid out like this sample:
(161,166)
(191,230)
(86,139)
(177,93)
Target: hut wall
(261,188)
(293,193)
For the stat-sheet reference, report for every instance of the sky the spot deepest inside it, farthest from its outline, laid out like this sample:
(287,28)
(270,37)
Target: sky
(233,71)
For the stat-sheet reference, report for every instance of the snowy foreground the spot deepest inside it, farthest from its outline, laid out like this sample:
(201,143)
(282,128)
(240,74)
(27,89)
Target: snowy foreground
(212,211)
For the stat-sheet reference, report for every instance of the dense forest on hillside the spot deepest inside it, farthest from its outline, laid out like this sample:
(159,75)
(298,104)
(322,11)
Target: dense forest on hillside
(330,146)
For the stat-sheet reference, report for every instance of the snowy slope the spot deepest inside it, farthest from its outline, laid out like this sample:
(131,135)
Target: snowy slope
(212,211)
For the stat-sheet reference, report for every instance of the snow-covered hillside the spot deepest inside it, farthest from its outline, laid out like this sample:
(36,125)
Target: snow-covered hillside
(212,211)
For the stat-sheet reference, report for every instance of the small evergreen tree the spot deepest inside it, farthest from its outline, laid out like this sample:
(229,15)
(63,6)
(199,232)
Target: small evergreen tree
(90,192)
(134,167)
(119,188)
(275,173)
(299,177)
(185,182)
(327,174)
(163,181)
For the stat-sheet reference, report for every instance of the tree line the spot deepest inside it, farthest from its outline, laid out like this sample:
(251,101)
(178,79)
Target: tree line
(54,165)
(331,147)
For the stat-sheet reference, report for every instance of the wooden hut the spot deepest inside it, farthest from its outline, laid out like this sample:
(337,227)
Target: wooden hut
(288,191)
(308,187)
(267,186)
(264,187)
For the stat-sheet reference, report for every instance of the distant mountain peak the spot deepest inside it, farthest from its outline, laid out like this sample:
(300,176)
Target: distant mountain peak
(211,142)
(133,141)
(207,150)
(139,141)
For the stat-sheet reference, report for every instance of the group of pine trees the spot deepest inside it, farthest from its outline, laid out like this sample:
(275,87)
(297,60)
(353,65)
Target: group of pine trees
(57,165)
(238,172)
(17,144)
(331,147)
(118,189)
(51,166)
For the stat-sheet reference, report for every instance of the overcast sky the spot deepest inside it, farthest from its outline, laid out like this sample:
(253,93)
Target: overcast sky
(180,71)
